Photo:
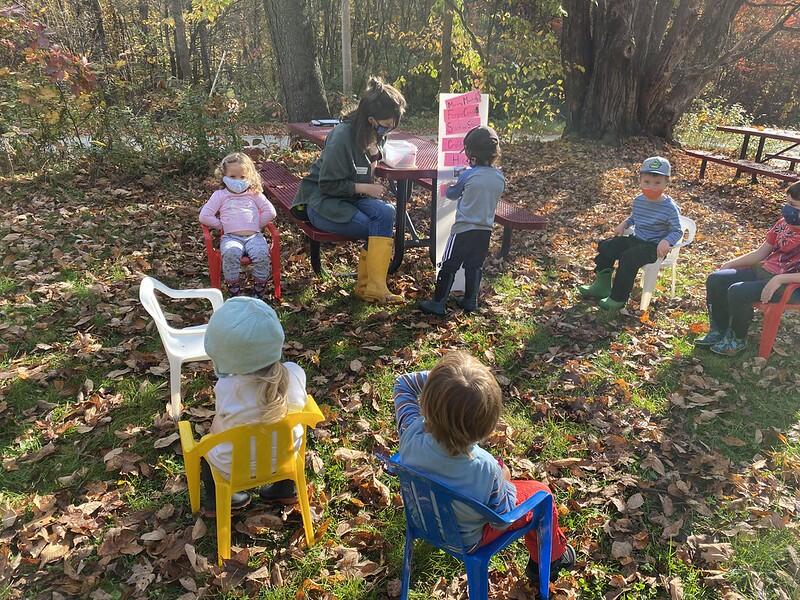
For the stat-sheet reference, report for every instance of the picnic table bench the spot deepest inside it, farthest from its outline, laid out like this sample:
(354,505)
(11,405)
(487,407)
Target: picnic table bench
(510,216)
(280,186)
(748,166)
(759,165)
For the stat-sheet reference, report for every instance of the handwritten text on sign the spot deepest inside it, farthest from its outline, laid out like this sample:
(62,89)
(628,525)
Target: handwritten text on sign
(459,112)
(461,125)
(455,159)
(454,144)
(473,97)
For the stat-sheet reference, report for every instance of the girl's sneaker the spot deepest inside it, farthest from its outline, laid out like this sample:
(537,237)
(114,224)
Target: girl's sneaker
(730,345)
(713,337)
(234,289)
(259,288)
(283,491)
(565,561)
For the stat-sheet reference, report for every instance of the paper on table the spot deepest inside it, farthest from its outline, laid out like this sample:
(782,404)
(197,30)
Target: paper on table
(473,97)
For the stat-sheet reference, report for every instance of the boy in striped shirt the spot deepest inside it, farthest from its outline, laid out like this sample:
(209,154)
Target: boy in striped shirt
(657,223)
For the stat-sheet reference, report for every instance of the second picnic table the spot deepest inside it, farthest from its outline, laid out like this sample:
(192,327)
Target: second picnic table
(757,166)
(403,180)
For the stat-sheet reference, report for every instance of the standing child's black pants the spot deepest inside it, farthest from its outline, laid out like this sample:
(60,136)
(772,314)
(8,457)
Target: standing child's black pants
(468,248)
(632,254)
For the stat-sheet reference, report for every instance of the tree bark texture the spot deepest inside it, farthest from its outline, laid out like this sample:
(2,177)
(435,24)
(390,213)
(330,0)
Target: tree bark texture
(291,27)
(446,70)
(632,67)
(182,57)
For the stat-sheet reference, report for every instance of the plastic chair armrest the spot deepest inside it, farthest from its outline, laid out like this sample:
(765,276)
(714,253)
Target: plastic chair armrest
(213,295)
(787,293)
(187,437)
(523,509)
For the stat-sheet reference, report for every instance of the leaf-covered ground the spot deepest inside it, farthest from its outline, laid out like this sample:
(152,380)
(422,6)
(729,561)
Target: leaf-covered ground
(677,473)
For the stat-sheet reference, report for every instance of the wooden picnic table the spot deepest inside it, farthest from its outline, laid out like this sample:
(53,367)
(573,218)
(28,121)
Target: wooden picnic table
(403,183)
(763,134)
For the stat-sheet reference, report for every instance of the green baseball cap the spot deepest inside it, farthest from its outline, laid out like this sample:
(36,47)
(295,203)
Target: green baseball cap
(657,165)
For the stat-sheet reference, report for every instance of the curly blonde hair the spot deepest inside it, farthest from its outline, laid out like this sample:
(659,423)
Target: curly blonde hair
(461,402)
(248,168)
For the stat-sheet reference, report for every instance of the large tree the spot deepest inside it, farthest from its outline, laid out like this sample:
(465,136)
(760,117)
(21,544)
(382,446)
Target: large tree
(632,67)
(291,25)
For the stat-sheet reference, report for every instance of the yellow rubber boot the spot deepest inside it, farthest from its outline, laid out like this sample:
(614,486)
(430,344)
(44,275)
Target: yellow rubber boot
(379,253)
(361,280)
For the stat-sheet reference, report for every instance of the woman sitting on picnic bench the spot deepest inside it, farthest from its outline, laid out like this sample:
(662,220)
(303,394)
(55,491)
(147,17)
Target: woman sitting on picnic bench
(339,195)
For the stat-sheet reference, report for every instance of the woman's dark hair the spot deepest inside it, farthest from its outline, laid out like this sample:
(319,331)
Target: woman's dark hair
(381,101)
(794,190)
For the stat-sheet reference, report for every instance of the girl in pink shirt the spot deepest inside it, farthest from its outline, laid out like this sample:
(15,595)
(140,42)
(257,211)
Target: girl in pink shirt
(240,210)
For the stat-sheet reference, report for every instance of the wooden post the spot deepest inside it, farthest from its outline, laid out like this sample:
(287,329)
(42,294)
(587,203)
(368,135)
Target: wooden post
(347,57)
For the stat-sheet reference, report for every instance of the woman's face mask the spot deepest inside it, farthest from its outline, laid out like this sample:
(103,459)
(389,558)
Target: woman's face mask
(237,186)
(791,214)
(381,129)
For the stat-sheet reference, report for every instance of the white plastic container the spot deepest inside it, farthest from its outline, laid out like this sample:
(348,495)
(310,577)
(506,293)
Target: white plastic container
(400,154)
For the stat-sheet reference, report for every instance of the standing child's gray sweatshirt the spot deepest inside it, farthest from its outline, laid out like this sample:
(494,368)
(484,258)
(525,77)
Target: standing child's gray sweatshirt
(477,190)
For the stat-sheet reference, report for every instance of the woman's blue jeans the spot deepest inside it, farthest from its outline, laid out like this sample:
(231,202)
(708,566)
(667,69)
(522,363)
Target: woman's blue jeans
(374,217)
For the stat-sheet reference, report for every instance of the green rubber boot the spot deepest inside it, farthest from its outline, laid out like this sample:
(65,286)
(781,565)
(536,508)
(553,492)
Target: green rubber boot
(600,287)
(611,305)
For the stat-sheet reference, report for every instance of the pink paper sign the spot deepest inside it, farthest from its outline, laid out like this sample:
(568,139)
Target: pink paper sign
(461,125)
(453,144)
(459,112)
(473,97)
(455,159)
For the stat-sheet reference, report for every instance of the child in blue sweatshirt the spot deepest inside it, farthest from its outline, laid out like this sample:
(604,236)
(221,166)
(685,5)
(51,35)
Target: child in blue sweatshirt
(477,190)
(657,223)
(441,416)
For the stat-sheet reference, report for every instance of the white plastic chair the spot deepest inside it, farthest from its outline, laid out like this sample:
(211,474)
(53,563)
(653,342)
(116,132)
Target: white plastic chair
(650,272)
(181,345)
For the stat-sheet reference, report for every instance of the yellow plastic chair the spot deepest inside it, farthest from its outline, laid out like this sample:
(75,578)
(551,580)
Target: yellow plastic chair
(247,441)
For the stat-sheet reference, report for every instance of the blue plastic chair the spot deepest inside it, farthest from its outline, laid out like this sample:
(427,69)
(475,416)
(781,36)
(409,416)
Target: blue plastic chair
(430,517)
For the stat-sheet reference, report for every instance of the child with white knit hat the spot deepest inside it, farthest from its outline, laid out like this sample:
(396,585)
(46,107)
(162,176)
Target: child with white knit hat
(244,339)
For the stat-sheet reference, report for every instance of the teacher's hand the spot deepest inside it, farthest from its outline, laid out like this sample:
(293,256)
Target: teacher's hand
(373,190)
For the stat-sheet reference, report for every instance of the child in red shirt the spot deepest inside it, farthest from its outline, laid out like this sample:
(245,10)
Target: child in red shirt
(755,277)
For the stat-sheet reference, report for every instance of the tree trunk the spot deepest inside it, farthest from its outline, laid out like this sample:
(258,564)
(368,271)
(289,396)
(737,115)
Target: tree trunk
(294,43)
(446,70)
(633,68)
(205,57)
(347,52)
(182,57)
(96,46)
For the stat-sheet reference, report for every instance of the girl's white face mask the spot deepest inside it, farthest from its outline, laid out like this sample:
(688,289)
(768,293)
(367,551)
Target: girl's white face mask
(237,186)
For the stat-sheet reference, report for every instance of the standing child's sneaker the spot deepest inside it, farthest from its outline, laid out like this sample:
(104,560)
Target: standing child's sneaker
(730,345)
(565,562)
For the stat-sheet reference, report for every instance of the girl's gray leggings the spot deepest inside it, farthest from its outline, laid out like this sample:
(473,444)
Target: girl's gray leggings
(233,247)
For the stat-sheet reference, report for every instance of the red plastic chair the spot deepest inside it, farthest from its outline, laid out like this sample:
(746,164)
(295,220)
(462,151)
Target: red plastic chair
(215,258)
(772,318)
